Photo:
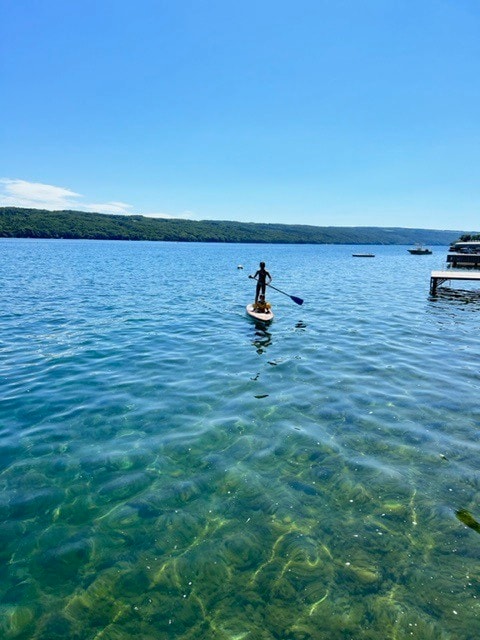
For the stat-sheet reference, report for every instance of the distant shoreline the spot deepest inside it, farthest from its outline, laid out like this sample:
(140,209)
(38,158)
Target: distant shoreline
(78,225)
(286,244)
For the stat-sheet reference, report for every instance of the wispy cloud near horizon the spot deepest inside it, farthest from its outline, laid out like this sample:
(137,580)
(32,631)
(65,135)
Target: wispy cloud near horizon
(36,195)
(20,193)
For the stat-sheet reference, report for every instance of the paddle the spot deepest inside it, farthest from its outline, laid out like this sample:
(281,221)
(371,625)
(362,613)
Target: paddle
(294,298)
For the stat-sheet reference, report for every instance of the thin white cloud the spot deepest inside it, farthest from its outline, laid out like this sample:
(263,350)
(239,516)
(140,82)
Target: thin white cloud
(118,208)
(20,193)
(185,215)
(35,195)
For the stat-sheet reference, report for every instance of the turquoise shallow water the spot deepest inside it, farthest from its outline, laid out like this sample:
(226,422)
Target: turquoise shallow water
(168,469)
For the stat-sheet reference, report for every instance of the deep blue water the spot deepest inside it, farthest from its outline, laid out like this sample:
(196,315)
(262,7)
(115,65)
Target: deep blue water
(169,469)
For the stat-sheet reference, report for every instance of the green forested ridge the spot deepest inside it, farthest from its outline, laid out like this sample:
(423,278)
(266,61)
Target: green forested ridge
(468,237)
(39,223)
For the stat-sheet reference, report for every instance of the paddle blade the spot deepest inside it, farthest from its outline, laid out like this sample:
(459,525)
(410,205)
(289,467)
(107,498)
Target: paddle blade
(297,300)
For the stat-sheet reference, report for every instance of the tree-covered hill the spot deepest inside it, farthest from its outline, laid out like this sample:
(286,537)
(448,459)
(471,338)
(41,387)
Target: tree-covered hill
(38,223)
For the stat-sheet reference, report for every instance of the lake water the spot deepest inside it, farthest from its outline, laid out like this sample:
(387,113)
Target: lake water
(168,469)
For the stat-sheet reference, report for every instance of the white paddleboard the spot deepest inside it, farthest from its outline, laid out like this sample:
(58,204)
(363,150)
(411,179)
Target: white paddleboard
(263,317)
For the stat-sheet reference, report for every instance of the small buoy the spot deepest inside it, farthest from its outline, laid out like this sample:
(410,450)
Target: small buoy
(240,266)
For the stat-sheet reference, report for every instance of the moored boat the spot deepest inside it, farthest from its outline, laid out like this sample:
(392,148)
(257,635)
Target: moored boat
(464,255)
(463,263)
(419,250)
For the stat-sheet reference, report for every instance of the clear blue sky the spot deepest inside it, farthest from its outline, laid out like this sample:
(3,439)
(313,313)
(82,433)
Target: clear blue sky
(338,112)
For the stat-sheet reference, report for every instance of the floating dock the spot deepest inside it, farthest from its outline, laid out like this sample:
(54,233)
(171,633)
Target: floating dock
(439,277)
(463,258)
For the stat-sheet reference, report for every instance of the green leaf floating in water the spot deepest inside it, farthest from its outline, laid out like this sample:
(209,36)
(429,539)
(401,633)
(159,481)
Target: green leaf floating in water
(466,517)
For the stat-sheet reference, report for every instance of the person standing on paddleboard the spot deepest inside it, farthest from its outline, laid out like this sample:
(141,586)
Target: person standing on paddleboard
(261,277)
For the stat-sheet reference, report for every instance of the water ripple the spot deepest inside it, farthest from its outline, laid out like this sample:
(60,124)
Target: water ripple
(170,469)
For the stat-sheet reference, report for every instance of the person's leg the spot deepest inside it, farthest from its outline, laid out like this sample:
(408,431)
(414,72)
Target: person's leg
(257,292)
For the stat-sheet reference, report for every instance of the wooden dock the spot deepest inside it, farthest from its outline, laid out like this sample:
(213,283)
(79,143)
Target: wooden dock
(439,277)
(463,260)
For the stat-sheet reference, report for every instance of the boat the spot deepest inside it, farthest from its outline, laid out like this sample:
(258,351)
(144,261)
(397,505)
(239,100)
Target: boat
(464,255)
(463,264)
(363,255)
(256,315)
(419,250)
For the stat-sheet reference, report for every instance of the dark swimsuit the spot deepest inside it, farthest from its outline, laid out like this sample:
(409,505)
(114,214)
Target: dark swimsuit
(262,280)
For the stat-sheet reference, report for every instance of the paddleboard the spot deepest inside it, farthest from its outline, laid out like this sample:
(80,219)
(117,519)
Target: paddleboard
(263,317)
